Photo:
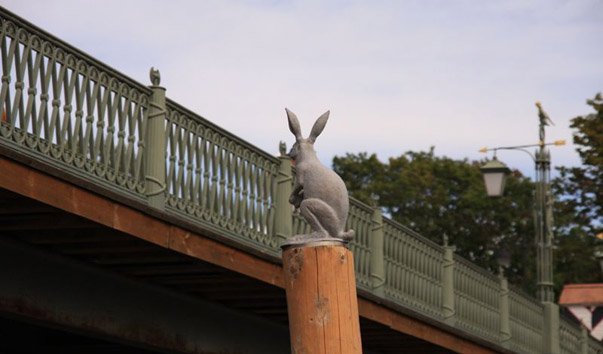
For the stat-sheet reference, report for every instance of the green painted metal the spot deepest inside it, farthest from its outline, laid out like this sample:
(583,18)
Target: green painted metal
(594,347)
(550,341)
(219,180)
(154,167)
(526,323)
(377,265)
(476,299)
(448,309)
(583,339)
(543,221)
(413,269)
(572,341)
(283,222)
(360,220)
(70,111)
(504,309)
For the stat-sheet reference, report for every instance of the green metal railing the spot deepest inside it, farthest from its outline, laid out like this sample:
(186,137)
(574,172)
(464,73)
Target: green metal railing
(216,178)
(570,337)
(413,267)
(526,323)
(68,110)
(477,300)
(360,220)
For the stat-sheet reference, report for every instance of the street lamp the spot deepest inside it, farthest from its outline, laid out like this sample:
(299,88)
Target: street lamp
(494,172)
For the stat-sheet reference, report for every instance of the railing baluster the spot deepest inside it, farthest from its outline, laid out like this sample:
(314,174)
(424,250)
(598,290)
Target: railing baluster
(229,166)
(69,82)
(78,144)
(196,193)
(18,108)
(206,173)
(91,100)
(8,55)
(57,84)
(237,168)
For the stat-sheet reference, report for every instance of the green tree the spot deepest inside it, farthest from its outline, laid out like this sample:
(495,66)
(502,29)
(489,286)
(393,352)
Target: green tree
(579,206)
(439,196)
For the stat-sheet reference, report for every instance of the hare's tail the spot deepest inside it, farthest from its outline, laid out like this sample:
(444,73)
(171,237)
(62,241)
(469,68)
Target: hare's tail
(347,235)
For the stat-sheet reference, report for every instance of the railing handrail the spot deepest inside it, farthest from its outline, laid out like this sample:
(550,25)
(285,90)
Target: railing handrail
(361,205)
(474,267)
(524,295)
(204,121)
(413,233)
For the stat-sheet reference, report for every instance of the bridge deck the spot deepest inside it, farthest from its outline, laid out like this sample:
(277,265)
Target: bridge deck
(62,219)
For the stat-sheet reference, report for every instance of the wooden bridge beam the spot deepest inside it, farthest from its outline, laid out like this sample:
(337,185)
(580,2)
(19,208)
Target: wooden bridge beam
(159,229)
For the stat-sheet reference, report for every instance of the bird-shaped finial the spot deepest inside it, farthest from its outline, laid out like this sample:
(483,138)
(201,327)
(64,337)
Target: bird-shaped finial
(155,77)
(544,118)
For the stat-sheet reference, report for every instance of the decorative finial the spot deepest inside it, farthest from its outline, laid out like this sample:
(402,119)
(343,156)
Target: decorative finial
(155,77)
(445,240)
(282,148)
(544,118)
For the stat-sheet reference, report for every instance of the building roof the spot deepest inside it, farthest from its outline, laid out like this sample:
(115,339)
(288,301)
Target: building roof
(582,294)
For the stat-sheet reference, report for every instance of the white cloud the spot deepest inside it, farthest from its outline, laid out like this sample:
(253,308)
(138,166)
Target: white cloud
(396,75)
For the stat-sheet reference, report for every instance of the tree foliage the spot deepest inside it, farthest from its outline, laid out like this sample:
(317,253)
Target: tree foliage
(439,196)
(579,206)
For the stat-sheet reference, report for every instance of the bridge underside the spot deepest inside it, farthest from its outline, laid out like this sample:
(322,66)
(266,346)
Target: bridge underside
(80,269)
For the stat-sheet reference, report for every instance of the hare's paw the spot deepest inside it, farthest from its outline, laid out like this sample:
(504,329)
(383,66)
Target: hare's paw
(296,199)
(347,235)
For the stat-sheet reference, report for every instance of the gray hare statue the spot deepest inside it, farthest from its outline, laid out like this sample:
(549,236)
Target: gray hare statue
(318,193)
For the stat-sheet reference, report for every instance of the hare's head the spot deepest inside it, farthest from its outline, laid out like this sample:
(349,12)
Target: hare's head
(304,147)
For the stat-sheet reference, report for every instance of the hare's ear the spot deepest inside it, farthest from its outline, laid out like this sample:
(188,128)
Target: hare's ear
(318,127)
(294,126)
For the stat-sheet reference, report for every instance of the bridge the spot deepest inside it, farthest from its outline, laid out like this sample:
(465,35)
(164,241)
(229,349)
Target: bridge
(131,224)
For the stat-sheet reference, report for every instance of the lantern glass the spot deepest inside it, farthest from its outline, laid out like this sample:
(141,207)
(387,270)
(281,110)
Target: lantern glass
(495,173)
(495,183)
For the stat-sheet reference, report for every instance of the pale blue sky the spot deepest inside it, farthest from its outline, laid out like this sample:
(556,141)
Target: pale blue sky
(396,75)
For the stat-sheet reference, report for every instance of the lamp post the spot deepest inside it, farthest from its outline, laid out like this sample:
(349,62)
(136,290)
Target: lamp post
(599,255)
(494,173)
(599,251)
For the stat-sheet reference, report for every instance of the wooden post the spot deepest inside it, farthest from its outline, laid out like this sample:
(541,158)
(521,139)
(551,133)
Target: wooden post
(321,298)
